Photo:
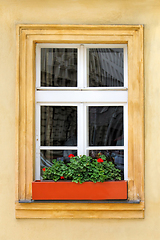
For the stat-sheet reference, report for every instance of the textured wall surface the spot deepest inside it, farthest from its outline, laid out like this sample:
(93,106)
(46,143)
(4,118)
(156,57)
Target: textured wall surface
(145,12)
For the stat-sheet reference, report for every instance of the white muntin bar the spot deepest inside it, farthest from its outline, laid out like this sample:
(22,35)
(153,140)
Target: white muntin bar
(38,65)
(85,132)
(125,66)
(57,45)
(80,78)
(80,129)
(82,96)
(37,152)
(105,45)
(126,141)
(85,67)
(58,148)
(106,148)
(81,89)
(58,88)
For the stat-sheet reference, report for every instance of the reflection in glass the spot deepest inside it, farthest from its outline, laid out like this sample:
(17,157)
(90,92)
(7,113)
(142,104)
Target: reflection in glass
(106,126)
(46,156)
(58,126)
(58,67)
(106,67)
(115,156)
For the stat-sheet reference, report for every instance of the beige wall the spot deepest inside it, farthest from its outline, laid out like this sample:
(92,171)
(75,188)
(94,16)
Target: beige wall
(145,12)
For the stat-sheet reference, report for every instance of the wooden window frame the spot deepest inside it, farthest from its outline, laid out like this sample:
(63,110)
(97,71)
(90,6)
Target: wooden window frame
(27,37)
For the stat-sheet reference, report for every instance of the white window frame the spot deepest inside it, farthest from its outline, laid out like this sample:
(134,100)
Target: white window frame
(81,96)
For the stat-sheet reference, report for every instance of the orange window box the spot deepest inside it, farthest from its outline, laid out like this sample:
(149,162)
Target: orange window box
(67,190)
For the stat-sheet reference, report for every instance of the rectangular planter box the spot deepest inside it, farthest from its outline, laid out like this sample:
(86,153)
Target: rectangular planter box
(50,190)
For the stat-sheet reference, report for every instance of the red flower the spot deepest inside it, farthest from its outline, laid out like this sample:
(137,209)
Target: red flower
(99,160)
(44,169)
(71,155)
(62,177)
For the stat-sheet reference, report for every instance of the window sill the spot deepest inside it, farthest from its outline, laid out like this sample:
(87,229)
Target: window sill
(80,201)
(80,210)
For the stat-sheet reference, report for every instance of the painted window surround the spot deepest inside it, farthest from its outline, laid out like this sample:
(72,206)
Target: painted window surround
(27,37)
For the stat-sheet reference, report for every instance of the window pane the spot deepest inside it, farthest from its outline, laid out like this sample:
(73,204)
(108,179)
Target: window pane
(48,155)
(58,67)
(106,126)
(106,67)
(58,126)
(116,156)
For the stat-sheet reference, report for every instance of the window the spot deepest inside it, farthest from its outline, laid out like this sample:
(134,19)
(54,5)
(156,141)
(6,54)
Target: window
(84,74)
(78,111)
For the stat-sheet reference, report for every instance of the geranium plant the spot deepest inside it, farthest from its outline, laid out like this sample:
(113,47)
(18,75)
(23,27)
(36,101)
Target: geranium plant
(82,169)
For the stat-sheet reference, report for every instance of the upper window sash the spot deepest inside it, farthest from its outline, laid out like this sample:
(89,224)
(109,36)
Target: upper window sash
(82,65)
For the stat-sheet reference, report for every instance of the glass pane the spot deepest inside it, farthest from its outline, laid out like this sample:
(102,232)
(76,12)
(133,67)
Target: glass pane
(106,126)
(58,126)
(106,67)
(116,156)
(58,67)
(48,155)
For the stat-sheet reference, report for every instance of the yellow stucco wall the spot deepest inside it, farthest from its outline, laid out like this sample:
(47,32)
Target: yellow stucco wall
(145,12)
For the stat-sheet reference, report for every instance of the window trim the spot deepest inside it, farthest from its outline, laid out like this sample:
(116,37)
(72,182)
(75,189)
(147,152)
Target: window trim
(27,37)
